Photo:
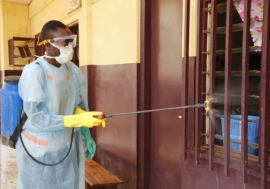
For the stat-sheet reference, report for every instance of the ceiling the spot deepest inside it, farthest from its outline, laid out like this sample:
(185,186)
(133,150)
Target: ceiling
(26,2)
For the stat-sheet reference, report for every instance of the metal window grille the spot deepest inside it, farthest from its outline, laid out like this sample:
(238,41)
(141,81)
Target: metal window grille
(229,46)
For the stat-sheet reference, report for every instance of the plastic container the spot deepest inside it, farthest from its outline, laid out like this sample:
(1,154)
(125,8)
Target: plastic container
(10,107)
(235,132)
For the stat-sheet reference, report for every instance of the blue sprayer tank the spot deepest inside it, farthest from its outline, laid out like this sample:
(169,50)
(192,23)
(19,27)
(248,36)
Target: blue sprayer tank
(11,104)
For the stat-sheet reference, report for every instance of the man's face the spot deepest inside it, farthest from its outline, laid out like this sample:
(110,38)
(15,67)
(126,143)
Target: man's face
(61,32)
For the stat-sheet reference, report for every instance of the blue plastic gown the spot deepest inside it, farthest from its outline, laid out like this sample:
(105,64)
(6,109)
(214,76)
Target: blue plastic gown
(49,93)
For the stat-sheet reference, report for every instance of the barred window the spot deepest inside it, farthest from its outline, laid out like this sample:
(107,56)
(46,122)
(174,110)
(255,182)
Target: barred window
(233,73)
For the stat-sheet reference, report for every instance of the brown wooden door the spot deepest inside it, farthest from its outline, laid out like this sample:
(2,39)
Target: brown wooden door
(166,67)
(74,28)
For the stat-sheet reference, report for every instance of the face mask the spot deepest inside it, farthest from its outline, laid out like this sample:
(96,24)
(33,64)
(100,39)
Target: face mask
(66,54)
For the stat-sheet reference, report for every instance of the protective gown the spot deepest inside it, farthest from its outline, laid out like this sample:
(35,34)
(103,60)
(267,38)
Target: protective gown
(49,93)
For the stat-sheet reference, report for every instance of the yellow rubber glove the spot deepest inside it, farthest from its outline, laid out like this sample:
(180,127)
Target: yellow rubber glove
(90,144)
(80,111)
(86,119)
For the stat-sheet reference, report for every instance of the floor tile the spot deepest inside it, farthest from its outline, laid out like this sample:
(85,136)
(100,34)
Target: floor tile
(8,167)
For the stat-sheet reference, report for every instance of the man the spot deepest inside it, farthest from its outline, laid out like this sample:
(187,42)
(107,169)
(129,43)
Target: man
(53,89)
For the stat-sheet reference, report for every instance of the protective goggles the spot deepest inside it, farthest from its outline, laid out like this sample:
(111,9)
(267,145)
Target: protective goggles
(61,41)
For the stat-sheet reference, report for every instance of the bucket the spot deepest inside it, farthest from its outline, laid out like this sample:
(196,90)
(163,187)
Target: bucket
(235,132)
(11,104)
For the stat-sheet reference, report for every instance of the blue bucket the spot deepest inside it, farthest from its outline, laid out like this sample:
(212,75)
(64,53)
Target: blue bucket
(235,132)
(11,104)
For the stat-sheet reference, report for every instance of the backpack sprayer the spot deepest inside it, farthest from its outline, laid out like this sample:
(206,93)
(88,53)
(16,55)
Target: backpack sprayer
(12,119)
(205,105)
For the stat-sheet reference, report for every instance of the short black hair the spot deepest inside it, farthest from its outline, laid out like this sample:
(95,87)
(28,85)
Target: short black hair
(50,27)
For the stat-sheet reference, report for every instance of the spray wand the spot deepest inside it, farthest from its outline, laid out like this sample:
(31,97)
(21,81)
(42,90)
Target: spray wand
(205,105)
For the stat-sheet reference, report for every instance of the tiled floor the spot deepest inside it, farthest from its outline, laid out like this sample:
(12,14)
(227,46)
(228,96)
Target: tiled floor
(8,167)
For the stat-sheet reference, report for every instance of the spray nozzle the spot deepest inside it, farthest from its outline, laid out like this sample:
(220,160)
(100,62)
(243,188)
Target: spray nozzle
(206,103)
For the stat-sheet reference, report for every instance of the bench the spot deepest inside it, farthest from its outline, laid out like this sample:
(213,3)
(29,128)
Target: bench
(97,177)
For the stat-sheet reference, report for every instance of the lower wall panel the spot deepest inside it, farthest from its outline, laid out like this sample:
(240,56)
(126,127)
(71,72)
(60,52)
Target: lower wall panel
(7,73)
(200,177)
(12,72)
(113,89)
